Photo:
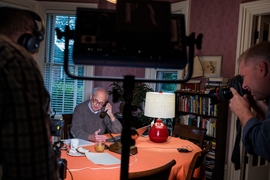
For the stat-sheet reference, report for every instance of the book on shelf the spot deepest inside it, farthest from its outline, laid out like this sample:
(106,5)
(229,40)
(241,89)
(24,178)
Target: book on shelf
(215,84)
(209,161)
(208,174)
(210,125)
(221,80)
(210,167)
(211,155)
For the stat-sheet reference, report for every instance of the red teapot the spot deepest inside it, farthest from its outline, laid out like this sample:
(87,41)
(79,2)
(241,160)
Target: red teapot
(158,132)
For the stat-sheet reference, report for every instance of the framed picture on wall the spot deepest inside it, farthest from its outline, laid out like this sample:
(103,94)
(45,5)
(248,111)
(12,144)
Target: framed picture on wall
(211,65)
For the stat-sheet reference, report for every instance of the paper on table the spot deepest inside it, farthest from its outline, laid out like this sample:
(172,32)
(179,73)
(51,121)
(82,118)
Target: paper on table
(102,158)
(82,142)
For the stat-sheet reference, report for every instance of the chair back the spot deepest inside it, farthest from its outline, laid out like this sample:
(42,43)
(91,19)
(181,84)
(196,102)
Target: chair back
(160,173)
(201,159)
(191,133)
(192,165)
(67,126)
(198,162)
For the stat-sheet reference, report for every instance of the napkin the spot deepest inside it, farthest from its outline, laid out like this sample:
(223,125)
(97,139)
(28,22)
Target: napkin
(102,158)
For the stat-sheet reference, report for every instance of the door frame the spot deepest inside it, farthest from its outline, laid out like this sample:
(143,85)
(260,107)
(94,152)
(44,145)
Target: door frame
(244,39)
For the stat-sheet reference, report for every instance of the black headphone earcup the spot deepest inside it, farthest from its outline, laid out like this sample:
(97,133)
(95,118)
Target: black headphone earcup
(29,42)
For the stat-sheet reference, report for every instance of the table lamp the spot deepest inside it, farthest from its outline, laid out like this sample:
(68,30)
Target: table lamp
(159,105)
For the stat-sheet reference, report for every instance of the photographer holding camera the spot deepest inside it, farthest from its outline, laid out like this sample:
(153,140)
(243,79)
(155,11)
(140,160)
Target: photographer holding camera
(254,67)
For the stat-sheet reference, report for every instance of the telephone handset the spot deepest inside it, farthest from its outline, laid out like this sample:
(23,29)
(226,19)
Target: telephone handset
(103,113)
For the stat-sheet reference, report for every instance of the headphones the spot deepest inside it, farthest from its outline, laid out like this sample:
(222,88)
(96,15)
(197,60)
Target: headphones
(31,41)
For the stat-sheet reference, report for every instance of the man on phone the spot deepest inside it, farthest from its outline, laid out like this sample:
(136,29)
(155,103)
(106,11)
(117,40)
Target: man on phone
(86,121)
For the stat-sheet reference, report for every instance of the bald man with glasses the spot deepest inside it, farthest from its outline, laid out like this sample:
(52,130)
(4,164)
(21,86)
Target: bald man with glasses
(86,121)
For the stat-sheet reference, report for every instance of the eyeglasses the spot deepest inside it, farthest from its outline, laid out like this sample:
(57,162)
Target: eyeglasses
(97,103)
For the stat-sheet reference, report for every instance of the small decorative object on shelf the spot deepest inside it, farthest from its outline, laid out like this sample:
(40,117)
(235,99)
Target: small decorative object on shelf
(192,85)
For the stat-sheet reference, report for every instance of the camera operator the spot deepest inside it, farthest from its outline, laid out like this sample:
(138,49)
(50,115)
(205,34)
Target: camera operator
(254,67)
(26,150)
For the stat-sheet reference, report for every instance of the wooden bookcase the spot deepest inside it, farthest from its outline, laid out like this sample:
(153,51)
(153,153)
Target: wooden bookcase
(195,109)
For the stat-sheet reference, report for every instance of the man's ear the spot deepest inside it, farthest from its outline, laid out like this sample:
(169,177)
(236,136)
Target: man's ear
(263,68)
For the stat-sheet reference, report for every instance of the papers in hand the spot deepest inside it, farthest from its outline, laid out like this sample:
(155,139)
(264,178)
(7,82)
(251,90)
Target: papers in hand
(102,158)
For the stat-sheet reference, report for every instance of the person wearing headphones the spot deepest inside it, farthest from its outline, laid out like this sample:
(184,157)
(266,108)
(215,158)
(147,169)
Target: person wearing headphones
(26,150)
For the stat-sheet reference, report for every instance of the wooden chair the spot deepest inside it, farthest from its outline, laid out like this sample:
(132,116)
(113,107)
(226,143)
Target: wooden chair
(67,126)
(192,166)
(160,173)
(191,133)
(198,162)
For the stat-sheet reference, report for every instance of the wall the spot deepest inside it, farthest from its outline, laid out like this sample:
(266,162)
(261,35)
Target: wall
(218,22)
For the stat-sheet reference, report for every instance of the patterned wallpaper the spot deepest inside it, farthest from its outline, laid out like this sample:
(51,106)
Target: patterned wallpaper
(218,22)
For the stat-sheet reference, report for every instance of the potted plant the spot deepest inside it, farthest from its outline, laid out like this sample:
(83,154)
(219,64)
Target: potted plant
(138,98)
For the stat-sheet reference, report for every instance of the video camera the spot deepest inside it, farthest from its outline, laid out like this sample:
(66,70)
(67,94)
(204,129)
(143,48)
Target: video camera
(219,94)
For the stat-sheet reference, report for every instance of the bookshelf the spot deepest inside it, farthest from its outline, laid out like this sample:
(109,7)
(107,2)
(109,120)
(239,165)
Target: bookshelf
(195,109)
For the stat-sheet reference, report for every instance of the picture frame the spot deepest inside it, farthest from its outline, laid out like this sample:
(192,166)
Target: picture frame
(211,65)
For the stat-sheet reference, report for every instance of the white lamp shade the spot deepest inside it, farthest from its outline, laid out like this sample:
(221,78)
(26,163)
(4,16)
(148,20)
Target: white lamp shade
(159,105)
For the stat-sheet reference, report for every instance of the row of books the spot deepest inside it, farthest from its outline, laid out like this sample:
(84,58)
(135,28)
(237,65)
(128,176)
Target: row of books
(210,162)
(197,104)
(208,123)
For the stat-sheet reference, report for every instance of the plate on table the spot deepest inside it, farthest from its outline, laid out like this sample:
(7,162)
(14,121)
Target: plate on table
(75,154)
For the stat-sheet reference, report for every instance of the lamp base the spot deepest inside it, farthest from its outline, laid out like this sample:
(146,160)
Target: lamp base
(158,132)
(117,148)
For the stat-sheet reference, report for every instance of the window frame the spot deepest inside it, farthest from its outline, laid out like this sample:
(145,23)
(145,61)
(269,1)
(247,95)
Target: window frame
(65,8)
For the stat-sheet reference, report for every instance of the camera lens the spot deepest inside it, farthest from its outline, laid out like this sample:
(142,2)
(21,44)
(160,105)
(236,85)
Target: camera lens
(219,94)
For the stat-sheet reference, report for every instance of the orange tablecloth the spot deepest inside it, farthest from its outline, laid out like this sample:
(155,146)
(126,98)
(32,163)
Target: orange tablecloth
(150,155)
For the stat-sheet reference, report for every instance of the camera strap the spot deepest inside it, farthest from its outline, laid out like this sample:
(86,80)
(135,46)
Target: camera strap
(236,149)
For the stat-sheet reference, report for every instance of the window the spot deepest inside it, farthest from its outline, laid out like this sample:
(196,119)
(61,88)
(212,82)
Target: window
(167,75)
(65,92)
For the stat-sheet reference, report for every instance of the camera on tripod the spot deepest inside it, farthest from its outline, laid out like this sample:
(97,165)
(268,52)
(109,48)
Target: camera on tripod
(223,93)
